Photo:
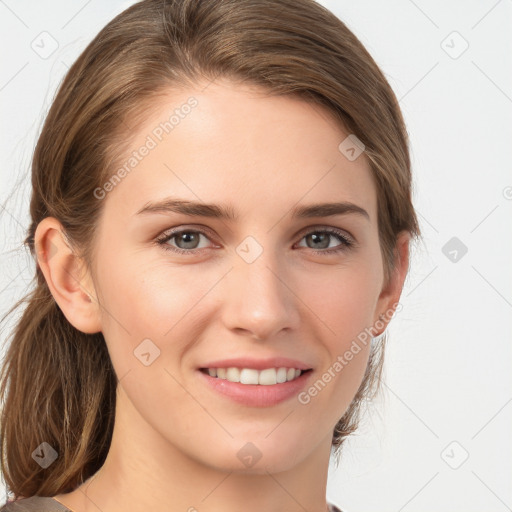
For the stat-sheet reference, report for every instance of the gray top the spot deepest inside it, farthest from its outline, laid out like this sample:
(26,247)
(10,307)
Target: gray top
(45,504)
(34,504)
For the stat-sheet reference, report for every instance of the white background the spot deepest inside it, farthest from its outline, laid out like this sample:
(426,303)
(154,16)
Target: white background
(448,386)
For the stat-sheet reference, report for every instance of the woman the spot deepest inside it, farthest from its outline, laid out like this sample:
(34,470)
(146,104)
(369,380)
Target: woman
(221,216)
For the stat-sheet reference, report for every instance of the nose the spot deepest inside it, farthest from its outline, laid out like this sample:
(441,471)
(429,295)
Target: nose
(260,301)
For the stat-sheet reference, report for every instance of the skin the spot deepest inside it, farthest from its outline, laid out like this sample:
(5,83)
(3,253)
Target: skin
(175,441)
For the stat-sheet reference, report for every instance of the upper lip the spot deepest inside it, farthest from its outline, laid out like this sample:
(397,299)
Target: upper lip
(258,364)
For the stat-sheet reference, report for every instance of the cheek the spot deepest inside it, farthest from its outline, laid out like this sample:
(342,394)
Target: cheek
(342,298)
(156,302)
(343,302)
(151,299)
(345,312)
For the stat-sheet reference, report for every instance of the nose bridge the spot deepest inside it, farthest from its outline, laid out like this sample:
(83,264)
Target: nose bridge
(259,300)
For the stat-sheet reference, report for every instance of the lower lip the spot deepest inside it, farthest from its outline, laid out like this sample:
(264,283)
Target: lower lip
(255,395)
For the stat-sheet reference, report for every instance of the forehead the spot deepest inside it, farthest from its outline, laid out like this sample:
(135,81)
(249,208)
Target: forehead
(234,144)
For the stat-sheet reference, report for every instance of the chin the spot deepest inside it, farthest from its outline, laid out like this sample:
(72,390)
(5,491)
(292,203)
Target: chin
(255,457)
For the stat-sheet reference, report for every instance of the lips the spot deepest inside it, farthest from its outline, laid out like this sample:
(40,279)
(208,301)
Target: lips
(256,395)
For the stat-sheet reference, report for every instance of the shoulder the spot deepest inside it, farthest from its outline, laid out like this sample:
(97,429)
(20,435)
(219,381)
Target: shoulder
(34,504)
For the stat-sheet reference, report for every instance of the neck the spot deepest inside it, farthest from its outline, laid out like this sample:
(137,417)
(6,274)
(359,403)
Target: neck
(143,471)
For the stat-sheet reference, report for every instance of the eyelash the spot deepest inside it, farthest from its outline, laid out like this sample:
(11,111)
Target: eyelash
(345,245)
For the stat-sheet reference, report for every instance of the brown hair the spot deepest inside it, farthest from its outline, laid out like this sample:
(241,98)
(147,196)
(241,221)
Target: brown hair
(57,383)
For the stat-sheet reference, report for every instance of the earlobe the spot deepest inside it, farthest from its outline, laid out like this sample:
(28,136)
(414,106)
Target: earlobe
(61,267)
(390,295)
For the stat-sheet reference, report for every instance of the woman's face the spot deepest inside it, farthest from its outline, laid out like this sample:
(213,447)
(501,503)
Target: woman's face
(264,284)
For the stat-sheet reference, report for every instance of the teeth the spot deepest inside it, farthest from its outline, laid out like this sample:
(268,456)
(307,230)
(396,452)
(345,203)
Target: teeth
(265,377)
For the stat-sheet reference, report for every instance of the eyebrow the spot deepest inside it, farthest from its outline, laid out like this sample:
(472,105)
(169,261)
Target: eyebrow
(195,209)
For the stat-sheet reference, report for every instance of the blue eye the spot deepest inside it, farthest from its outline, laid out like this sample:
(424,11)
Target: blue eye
(190,238)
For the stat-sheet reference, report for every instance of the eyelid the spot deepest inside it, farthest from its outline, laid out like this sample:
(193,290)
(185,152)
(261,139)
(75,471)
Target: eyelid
(332,229)
(190,227)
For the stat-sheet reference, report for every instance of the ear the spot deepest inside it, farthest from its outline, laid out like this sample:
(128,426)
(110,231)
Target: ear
(392,290)
(75,294)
